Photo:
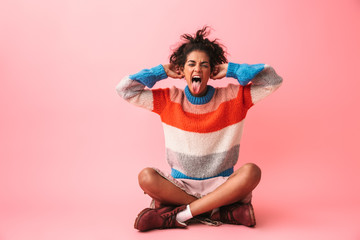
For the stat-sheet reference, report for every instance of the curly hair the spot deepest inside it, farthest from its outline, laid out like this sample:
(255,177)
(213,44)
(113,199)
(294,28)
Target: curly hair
(199,42)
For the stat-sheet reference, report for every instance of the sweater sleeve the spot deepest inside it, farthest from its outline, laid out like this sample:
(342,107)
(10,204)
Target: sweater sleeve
(264,79)
(132,87)
(265,83)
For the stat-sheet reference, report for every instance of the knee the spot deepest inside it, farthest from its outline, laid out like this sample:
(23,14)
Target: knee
(252,171)
(147,179)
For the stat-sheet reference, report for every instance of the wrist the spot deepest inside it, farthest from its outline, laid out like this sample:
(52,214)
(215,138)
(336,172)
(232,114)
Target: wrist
(159,72)
(244,72)
(149,77)
(231,69)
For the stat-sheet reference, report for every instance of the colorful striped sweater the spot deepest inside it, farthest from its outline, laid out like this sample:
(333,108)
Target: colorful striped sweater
(202,134)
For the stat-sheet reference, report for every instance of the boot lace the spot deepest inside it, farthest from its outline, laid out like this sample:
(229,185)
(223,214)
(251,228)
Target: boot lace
(170,218)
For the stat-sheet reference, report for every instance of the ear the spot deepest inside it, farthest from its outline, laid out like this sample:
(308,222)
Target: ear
(181,68)
(214,72)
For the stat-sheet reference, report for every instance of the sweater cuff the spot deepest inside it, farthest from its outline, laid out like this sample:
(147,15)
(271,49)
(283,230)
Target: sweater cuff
(231,71)
(149,77)
(243,72)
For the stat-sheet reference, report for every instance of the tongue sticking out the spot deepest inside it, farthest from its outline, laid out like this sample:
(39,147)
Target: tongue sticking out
(196,87)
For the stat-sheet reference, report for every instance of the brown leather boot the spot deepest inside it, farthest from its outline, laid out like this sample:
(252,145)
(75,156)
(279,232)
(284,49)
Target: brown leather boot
(236,213)
(159,218)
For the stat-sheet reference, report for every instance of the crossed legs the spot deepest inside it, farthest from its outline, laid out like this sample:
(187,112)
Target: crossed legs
(242,182)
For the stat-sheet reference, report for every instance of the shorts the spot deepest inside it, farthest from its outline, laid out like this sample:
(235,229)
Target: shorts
(198,188)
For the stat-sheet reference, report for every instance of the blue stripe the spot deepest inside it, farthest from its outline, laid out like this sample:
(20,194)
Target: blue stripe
(177,174)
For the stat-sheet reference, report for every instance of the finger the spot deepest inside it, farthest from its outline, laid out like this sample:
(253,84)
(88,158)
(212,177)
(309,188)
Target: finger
(176,75)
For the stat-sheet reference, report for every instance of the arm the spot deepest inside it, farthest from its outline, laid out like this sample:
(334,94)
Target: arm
(265,83)
(264,79)
(132,88)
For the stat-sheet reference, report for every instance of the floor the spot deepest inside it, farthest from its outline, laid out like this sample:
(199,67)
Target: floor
(113,221)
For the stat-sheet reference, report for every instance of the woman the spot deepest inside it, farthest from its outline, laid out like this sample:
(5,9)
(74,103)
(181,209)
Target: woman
(202,127)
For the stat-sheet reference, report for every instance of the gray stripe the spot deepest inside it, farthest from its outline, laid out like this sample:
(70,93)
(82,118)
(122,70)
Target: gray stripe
(204,166)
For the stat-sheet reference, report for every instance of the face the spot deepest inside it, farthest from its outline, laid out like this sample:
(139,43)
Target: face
(197,72)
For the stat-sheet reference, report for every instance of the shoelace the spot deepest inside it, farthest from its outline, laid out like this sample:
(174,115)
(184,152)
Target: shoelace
(170,218)
(169,221)
(206,221)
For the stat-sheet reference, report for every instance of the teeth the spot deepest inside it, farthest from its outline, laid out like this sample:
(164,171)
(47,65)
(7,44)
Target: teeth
(196,79)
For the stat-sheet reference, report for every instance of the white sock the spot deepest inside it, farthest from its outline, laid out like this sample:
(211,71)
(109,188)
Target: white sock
(184,215)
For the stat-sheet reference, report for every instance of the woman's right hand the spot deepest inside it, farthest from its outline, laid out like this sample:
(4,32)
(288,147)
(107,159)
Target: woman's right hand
(219,71)
(172,71)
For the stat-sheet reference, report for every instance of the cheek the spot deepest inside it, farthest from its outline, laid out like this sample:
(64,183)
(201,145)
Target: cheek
(187,75)
(208,73)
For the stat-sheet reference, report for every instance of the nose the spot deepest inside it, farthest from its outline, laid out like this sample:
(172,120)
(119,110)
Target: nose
(197,68)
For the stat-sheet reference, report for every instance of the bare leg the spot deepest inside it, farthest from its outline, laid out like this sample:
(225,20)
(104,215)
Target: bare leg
(236,188)
(161,189)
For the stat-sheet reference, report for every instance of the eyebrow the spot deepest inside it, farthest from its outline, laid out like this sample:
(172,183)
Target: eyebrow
(195,61)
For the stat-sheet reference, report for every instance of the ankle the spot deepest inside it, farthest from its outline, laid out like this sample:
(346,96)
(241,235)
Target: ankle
(184,215)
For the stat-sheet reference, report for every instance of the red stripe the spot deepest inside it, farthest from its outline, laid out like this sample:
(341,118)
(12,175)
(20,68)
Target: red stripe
(161,98)
(228,113)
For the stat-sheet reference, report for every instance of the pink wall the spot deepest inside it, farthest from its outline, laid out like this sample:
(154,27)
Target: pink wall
(67,139)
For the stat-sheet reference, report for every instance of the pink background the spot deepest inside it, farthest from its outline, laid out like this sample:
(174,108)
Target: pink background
(70,148)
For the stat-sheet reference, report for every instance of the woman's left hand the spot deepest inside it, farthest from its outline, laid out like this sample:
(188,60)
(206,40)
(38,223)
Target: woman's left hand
(173,71)
(219,71)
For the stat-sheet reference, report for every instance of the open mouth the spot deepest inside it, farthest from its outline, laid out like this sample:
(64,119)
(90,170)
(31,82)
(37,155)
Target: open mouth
(196,82)
(196,79)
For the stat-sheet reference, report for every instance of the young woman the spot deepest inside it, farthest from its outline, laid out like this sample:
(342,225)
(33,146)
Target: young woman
(202,127)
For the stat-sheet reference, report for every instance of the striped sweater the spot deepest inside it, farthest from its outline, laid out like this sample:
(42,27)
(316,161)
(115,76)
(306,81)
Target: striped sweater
(202,134)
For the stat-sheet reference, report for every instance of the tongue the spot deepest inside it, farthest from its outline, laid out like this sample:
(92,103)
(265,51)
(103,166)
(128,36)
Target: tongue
(196,87)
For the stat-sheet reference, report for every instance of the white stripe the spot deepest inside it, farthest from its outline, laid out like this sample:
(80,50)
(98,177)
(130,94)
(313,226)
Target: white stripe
(200,144)
(266,82)
(260,92)
(134,92)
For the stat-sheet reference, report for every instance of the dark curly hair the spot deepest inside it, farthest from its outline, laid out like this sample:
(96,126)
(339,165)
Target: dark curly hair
(199,42)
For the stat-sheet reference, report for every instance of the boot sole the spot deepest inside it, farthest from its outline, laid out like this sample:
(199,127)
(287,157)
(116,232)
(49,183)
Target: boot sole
(252,215)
